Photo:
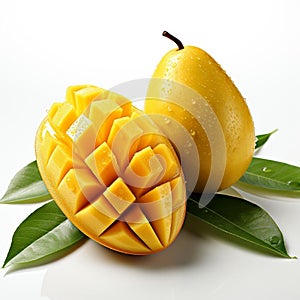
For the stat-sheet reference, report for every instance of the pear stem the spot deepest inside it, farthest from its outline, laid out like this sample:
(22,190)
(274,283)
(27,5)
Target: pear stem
(174,39)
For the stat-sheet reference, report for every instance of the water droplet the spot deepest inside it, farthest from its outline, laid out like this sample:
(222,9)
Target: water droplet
(70,185)
(266,170)
(169,108)
(167,120)
(274,240)
(186,151)
(295,184)
(193,101)
(192,132)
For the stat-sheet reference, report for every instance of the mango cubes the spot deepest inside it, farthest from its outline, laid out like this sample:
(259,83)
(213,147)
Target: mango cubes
(112,171)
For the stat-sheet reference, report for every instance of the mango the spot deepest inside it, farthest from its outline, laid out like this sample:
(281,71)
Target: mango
(111,171)
(188,87)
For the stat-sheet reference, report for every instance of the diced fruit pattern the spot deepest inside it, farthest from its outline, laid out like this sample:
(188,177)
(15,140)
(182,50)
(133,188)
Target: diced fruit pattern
(111,171)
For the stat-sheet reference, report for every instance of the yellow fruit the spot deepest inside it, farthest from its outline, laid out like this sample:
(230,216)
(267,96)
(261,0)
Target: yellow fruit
(111,171)
(189,86)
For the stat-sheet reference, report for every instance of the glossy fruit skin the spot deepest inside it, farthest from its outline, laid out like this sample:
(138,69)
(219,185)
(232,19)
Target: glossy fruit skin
(86,170)
(194,68)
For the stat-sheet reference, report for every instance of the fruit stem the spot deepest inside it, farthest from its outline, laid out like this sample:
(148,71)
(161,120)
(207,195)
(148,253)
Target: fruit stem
(174,39)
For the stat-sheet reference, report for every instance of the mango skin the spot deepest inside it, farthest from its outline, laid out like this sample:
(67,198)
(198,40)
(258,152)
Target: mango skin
(89,177)
(194,68)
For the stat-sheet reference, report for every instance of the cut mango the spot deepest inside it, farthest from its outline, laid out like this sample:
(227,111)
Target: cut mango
(112,171)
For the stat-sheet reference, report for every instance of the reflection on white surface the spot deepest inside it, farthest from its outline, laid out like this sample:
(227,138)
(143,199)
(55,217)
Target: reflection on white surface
(200,262)
(22,284)
(99,272)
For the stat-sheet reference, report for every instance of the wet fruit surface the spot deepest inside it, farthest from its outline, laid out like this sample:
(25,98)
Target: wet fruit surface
(111,171)
(189,86)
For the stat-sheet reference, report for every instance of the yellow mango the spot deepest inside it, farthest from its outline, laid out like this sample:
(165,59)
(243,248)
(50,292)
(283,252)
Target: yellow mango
(112,171)
(189,89)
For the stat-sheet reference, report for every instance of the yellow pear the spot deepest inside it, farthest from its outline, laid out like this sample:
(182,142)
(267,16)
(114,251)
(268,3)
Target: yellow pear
(189,89)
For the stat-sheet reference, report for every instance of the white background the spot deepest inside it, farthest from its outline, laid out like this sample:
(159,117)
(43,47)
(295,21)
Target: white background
(46,46)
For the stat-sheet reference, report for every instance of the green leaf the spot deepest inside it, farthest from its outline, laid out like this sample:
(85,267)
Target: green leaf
(262,139)
(273,175)
(241,219)
(45,232)
(27,186)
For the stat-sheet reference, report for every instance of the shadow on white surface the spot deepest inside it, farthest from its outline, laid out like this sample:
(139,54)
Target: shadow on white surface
(99,273)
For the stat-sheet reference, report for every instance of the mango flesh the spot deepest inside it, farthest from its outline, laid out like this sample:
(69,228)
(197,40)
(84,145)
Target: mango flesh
(187,77)
(111,171)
